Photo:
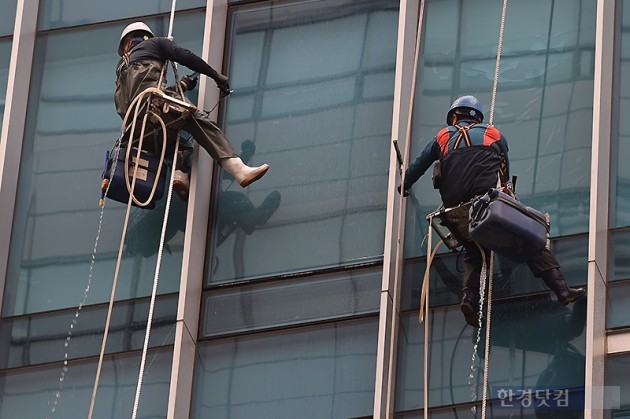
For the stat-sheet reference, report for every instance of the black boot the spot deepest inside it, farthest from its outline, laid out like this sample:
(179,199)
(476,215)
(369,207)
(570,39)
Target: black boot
(470,306)
(556,283)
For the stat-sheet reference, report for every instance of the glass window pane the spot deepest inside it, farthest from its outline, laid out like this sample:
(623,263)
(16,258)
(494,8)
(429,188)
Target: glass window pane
(7,17)
(316,372)
(63,13)
(5,57)
(300,72)
(617,387)
(71,122)
(620,203)
(619,255)
(72,334)
(66,393)
(544,99)
(467,413)
(313,298)
(534,342)
(510,278)
(617,309)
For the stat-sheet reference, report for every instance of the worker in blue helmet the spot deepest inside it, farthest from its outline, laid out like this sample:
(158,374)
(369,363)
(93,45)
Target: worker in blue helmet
(472,158)
(142,57)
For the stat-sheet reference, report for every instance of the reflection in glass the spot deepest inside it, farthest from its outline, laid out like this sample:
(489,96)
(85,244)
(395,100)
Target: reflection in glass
(63,13)
(510,278)
(313,91)
(7,17)
(31,393)
(534,342)
(617,384)
(50,337)
(5,55)
(544,99)
(620,202)
(619,255)
(71,122)
(617,309)
(313,298)
(309,373)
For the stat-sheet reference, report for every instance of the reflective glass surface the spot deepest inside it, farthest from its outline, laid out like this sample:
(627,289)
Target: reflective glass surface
(5,56)
(71,123)
(534,342)
(468,413)
(617,379)
(620,204)
(313,98)
(310,373)
(7,17)
(72,334)
(63,13)
(282,303)
(509,279)
(543,105)
(39,392)
(618,309)
(619,255)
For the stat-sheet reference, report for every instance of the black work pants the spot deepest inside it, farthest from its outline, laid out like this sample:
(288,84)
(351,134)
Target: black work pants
(539,263)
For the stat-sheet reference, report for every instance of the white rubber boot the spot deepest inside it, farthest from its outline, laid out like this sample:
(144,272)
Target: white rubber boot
(243,173)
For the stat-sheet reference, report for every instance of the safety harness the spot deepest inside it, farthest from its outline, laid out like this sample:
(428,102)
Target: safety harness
(463,133)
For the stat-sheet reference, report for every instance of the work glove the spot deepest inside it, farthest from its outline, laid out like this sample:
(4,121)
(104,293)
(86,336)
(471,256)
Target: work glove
(508,189)
(189,82)
(223,84)
(405,193)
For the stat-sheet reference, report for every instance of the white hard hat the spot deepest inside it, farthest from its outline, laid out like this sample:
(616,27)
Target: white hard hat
(133,27)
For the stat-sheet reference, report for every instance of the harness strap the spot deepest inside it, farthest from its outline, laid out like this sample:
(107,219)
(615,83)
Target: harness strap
(463,133)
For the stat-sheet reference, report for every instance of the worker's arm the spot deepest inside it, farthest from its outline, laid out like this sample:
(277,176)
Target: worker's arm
(174,52)
(421,164)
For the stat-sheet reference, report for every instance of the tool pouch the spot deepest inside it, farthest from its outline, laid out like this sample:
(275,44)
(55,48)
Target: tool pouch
(437,175)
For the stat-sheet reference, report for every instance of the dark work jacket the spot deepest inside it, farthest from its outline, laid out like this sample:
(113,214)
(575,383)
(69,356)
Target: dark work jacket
(141,68)
(468,170)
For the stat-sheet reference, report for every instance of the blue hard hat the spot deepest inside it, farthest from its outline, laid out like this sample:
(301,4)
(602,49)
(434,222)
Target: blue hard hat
(466,105)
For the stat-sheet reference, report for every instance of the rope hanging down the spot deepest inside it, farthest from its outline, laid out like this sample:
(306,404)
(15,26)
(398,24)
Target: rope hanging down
(424,300)
(143,99)
(491,267)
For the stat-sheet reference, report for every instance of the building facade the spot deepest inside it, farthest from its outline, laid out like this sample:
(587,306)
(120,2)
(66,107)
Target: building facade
(299,296)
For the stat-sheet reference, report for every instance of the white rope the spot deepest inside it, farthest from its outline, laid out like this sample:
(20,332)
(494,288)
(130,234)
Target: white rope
(138,154)
(147,335)
(135,106)
(155,284)
(486,361)
(498,63)
(172,20)
(486,276)
(138,103)
(490,273)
